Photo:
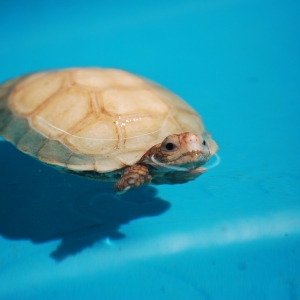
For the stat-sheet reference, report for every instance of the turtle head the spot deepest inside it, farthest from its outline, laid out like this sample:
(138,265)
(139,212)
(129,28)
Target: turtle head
(181,152)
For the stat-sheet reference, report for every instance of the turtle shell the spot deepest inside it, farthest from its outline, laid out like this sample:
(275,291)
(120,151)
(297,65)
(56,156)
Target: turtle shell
(90,119)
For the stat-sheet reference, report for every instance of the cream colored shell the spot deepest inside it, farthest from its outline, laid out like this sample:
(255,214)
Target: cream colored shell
(89,118)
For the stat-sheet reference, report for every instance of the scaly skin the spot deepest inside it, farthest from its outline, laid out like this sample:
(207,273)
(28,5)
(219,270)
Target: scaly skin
(133,177)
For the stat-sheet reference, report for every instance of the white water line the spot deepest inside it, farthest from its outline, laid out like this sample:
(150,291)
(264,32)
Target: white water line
(216,163)
(167,166)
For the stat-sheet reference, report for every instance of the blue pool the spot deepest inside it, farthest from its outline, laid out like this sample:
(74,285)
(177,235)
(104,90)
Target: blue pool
(232,234)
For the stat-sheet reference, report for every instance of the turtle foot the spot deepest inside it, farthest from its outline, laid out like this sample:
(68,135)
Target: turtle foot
(133,177)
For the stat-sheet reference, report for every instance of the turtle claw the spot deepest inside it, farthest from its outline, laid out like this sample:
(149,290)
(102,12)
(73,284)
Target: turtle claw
(123,191)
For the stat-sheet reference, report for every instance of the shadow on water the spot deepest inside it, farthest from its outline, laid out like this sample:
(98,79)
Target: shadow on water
(40,204)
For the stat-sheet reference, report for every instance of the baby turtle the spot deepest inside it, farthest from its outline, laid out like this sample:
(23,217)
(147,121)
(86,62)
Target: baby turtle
(105,124)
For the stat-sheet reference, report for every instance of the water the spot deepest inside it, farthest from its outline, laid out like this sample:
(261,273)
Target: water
(231,234)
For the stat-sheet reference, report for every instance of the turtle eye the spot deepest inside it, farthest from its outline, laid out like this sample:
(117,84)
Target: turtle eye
(169,147)
(204,143)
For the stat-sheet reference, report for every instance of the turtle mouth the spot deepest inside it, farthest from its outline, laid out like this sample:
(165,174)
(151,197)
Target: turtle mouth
(184,162)
(192,157)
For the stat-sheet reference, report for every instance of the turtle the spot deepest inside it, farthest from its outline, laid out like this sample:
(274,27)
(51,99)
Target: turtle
(105,124)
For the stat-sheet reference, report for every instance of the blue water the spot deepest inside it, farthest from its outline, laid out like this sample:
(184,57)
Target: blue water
(232,234)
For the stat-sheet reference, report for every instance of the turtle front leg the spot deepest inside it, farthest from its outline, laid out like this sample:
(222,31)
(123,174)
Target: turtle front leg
(133,177)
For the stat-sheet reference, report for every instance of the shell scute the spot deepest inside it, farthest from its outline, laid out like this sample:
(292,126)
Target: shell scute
(100,135)
(81,162)
(189,121)
(105,79)
(62,112)
(5,117)
(15,129)
(31,142)
(31,94)
(171,98)
(53,152)
(137,102)
(107,163)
